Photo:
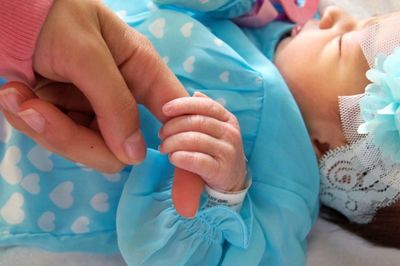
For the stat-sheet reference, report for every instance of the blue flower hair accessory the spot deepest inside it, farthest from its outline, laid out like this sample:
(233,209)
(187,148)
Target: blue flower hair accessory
(380,107)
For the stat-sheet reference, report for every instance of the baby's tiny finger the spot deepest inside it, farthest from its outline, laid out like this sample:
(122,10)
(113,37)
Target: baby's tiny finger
(192,141)
(195,162)
(197,123)
(200,94)
(196,105)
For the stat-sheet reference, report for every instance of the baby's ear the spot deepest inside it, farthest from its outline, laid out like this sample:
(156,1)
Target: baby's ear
(327,136)
(320,148)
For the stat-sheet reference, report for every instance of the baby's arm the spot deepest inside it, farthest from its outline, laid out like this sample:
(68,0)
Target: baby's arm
(204,138)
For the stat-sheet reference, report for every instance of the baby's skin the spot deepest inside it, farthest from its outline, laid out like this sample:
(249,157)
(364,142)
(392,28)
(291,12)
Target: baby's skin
(204,138)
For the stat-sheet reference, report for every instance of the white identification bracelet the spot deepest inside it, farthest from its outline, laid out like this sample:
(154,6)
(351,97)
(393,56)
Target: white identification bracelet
(232,200)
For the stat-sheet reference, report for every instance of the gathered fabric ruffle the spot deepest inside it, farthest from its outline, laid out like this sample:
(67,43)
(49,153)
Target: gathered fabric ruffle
(150,230)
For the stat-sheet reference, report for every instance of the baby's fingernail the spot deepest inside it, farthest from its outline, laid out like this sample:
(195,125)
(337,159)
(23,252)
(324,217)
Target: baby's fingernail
(35,120)
(135,147)
(160,149)
(10,100)
(166,108)
(199,94)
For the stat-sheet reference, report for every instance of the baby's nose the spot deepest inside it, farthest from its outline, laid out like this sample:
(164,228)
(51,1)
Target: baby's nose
(333,16)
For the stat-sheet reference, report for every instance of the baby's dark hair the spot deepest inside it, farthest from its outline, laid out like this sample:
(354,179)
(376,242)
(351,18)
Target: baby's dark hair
(383,230)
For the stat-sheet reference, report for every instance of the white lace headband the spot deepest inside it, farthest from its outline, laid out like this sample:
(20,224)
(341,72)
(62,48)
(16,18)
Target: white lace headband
(364,176)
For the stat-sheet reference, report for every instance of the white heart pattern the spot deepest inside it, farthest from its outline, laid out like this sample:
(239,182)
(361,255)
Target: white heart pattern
(224,77)
(31,183)
(46,221)
(61,195)
(121,14)
(166,59)
(84,167)
(12,211)
(157,28)
(218,42)
(80,225)
(5,129)
(39,157)
(113,177)
(100,203)
(188,65)
(151,6)
(186,29)
(9,170)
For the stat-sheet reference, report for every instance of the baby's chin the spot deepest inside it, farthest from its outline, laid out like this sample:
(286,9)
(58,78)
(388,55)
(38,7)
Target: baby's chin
(281,48)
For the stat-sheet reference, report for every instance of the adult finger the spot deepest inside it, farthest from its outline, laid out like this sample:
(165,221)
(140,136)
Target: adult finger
(54,130)
(66,96)
(112,102)
(186,192)
(148,77)
(136,59)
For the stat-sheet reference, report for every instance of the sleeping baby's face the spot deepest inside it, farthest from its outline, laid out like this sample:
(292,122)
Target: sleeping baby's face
(319,62)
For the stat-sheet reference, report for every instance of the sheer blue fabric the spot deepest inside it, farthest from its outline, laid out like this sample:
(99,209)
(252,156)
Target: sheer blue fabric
(218,59)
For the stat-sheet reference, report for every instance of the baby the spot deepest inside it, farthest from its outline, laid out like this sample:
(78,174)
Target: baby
(45,205)
(321,61)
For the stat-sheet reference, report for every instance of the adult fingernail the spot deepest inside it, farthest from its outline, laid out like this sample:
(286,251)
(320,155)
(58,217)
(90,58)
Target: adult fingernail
(35,120)
(135,147)
(10,100)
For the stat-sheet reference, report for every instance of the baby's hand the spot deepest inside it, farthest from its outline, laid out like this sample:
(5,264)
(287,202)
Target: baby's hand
(204,138)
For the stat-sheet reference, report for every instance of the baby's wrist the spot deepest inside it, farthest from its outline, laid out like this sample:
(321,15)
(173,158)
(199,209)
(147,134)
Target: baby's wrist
(232,198)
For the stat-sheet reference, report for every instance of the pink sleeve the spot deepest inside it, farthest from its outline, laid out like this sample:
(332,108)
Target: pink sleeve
(20,24)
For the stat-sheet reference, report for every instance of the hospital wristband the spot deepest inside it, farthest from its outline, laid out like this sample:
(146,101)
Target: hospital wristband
(233,200)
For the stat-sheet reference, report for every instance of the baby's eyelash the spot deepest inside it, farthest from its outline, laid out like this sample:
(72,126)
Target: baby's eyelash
(340,44)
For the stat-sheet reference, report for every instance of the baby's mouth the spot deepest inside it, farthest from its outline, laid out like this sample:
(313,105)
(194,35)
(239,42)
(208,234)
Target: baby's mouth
(296,30)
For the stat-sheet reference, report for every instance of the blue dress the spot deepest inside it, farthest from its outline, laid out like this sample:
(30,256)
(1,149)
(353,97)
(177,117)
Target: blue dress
(58,205)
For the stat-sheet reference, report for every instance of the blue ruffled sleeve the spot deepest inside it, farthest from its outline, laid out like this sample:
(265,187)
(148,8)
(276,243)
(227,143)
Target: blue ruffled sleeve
(282,203)
(218,8)
(150,232)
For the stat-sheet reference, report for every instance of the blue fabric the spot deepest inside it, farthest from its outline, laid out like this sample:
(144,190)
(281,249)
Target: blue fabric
(266,38)
(50,202)
(282,203)
(215,8)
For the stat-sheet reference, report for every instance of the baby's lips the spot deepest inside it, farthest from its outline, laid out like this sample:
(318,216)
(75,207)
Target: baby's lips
(296,30)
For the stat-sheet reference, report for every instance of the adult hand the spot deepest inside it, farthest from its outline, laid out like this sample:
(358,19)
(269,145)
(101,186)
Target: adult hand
(84,45)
